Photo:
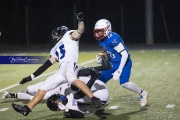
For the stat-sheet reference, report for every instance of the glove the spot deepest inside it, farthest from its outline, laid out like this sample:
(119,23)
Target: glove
(80,17)
(117,74)
(96,101)
(26,79)
(99,58)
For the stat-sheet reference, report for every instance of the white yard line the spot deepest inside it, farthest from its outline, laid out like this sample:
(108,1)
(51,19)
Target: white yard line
(3,109)
(170,106)
(113,107)
(14,85)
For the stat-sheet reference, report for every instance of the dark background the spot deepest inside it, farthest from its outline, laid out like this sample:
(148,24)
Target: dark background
(33,20)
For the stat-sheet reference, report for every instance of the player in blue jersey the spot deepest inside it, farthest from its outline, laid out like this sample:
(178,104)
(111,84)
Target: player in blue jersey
(118,55)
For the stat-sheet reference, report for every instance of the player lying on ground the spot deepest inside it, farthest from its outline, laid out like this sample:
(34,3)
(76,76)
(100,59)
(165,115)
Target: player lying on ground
(77,108)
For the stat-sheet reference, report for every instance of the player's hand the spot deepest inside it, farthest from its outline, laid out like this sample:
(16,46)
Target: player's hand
(117,74)
(26,79)
(80,17)
(96,101)
(99,58)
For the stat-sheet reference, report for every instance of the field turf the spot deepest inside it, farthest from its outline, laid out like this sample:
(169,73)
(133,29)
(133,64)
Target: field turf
(157,71)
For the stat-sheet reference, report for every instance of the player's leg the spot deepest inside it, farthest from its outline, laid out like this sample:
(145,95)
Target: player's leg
(6,95)
(29,93)
(19,95)
(58,90)
(99,90)
(71,75)
(124,82)
(25,94)
(50,83)
(33,89)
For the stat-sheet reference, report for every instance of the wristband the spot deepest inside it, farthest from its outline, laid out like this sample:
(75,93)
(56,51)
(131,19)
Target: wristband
(32,76)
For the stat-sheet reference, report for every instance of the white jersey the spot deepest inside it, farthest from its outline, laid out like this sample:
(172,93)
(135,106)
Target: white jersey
(99,89)
(66,52)
(66,49)
(85,105)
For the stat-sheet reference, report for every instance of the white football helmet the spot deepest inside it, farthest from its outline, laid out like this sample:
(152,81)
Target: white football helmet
(101,29)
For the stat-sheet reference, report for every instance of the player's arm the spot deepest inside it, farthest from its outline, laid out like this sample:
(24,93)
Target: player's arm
(40,70)
(121,50)
(81,27)
(124,56)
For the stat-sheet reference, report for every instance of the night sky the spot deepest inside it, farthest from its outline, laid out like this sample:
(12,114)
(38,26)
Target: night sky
(34,19)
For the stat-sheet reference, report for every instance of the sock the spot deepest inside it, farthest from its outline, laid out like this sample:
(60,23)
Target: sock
(133,87)
(13,95)
(141,91)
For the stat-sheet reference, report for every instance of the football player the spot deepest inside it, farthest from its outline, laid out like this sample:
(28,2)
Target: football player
(65,52)
(113,45)
(74,105)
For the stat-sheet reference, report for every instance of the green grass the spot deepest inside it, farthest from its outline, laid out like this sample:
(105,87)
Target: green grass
(157,71)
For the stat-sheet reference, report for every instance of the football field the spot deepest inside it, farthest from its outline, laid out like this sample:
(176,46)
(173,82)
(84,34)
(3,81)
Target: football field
(157,71)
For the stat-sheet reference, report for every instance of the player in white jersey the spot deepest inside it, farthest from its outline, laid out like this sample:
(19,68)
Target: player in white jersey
(77,108)
(66,53)
(75,104)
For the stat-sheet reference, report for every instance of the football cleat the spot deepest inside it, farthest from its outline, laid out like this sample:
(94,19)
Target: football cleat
(143,98)
(25,110)
(5,95)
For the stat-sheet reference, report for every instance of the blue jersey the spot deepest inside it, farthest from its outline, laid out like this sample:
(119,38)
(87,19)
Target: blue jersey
(108,44)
